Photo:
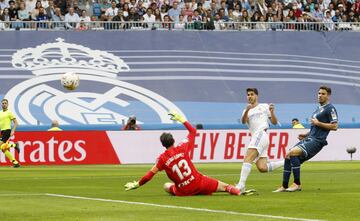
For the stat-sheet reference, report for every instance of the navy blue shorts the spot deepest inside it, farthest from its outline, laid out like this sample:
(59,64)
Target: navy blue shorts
(310,148)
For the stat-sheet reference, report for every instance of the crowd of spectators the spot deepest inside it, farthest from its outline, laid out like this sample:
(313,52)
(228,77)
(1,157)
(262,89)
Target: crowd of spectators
(185,14)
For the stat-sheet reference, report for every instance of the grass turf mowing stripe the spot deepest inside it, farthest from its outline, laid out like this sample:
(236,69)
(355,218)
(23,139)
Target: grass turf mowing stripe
(180,207)
(21,194)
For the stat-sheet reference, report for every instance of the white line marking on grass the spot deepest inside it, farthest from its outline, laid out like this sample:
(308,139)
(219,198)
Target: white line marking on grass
(180,207)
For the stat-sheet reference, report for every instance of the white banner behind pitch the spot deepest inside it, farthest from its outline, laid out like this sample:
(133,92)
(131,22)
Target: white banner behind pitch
(227,145)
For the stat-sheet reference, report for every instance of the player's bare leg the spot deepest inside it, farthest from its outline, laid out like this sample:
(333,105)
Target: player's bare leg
(224,187)
(167,187)
(251,155)
(264,166)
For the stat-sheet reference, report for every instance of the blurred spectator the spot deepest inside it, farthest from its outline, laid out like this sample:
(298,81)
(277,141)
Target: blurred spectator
(35,11)
(331,9)
(96,9)
(104,5)
(357,7)
(336,17)
(54,126)
(23,13)
(328,22)
(157,14)
(181,23)
(174,12)
(71,19)
(85,18)
(163,11)
(193,4)
(189,24)
(199,126)
(76,8)
(344,25)
(205,4)
(30,5)
(44,3)
(5,18)
(218,23)
(356,24)
(118,20)
(13,11)
(81,26)
(133,17)
(166,23)
(131,124)
(188,10)
(261,24)
(42,19)
(58,19)
(50,10)
(112,11)
(141,8)
(4,4)
(222,15)
(126,10)
(132,3)
(208,23)
(296,124)
(95,25)
(317,13)
(149,18)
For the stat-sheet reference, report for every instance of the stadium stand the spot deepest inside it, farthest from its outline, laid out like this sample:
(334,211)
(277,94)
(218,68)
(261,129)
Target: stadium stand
(321,15)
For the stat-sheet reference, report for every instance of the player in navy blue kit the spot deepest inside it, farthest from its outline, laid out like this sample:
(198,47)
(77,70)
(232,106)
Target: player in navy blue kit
(323,120)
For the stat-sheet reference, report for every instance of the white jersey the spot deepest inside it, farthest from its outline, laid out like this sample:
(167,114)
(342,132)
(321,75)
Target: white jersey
(258,118)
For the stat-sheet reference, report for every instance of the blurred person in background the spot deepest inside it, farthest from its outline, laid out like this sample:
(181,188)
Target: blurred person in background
(296,124)
(54,126)
(131,124)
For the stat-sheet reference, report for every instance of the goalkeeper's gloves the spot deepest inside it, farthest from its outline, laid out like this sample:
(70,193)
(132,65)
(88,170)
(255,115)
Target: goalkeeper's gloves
(177,117)
(131,185)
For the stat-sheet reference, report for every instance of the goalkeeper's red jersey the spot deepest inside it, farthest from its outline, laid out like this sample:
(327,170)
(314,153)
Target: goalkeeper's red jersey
(178,166)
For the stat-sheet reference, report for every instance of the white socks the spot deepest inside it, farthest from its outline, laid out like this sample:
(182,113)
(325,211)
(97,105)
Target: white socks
(245,171)
(274,165)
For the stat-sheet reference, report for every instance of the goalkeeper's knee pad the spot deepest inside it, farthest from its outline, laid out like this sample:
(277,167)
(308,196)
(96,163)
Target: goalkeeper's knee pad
(4,147)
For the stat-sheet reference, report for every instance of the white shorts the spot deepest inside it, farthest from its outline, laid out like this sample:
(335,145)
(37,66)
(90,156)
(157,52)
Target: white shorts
(260,142)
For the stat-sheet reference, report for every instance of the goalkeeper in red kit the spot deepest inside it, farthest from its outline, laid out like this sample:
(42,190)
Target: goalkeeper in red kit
(175,160)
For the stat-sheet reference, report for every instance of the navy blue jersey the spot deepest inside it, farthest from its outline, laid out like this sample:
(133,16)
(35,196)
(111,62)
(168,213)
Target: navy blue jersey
(325,114)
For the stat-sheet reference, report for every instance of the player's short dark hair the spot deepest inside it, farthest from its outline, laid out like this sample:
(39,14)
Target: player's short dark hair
(326,88)
(5,100)
(252,89)
(167,140)
(295,119)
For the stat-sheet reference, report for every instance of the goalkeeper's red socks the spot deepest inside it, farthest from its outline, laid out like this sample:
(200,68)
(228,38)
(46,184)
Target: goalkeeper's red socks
(232,190)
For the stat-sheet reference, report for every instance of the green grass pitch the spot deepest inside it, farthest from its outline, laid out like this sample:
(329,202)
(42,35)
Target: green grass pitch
(331,191)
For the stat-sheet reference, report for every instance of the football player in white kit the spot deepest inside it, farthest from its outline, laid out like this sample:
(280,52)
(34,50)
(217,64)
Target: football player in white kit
(257,117)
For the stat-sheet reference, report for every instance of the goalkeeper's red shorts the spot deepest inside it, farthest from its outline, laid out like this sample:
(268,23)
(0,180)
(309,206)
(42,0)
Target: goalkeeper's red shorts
(206,186)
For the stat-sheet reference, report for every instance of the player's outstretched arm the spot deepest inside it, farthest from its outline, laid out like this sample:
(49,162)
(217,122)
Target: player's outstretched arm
(136,184)
(177,117)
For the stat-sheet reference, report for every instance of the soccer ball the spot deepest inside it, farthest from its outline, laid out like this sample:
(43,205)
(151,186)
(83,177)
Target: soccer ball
(70,80)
